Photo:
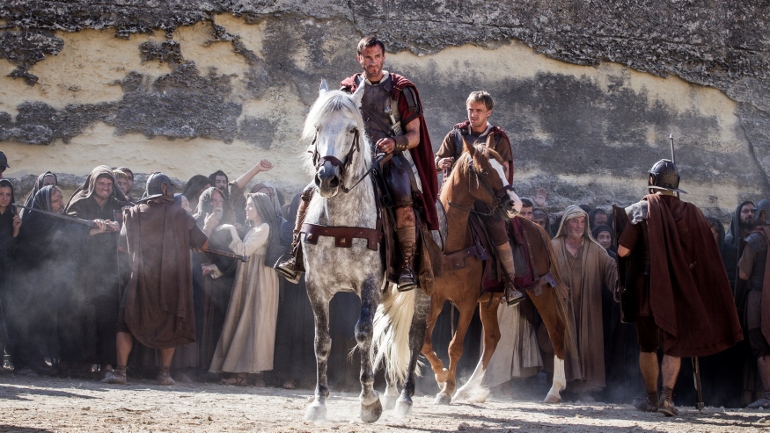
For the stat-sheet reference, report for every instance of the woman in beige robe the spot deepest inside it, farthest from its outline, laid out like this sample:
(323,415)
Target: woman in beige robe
(247,342)
(585,267)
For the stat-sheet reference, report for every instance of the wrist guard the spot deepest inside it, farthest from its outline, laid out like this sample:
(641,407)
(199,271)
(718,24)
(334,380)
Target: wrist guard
(401,143)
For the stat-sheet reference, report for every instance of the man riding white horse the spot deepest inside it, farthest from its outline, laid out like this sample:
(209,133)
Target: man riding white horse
(393,118)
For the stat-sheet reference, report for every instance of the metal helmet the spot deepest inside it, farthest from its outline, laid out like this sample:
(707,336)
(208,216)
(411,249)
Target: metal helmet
(664,175)
(154,185)
(762,206)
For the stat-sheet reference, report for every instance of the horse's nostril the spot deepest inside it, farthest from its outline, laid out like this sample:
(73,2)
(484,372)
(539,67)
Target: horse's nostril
(335,182)
(317,180)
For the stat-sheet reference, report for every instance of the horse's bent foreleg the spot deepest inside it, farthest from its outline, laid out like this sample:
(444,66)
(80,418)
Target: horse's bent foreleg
(436,305)
(416,340)
(371,408)
(473,390)
(559,381)
(323,344)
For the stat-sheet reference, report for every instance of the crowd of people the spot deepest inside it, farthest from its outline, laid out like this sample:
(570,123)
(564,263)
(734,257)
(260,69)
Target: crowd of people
(105,283)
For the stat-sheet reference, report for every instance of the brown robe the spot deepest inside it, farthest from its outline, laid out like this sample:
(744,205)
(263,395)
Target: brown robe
(158,301)
(690,296)
(586,274)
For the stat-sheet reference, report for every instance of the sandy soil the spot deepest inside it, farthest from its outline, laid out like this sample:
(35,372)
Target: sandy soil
(43,404)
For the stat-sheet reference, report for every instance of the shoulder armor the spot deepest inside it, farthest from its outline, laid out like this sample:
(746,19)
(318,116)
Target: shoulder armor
(637,212)
(411,100)
(757,241)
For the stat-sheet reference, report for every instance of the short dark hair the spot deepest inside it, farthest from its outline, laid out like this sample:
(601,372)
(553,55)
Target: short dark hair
(368,42)
(525,202)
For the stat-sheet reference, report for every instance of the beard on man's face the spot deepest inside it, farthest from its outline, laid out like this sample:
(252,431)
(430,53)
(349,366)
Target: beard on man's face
(748,225)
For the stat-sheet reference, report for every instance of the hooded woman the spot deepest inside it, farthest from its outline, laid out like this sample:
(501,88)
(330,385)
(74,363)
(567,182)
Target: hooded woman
(606,238)
(44,264)
(10,223)
(44,179)
(585,267)
(247,343)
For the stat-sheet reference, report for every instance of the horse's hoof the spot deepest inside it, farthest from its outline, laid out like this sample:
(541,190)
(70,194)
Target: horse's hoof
(316,411)
(442,398)
(552,398)
(372,412)
(403,408)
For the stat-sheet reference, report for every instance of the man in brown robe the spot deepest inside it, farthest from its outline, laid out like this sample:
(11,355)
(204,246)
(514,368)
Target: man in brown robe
(157,306)
(681,290)
(587,269)
(752,267)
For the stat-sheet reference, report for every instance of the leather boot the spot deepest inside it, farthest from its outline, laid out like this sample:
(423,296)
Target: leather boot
(505,255)
(666,402)
(406,241)
(289,268)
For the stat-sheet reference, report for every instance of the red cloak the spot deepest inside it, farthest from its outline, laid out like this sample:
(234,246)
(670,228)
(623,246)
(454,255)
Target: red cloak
(423,153)
(690,295)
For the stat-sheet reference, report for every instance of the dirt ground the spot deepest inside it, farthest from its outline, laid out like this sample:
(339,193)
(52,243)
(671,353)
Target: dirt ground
(41,404)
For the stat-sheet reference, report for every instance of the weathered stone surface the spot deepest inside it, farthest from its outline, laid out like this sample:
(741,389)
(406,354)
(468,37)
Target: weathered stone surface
(242,74)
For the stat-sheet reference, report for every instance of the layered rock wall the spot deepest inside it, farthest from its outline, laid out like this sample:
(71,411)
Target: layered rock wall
(588,91)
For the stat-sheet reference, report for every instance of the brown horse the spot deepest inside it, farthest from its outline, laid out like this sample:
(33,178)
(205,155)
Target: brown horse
(461,281)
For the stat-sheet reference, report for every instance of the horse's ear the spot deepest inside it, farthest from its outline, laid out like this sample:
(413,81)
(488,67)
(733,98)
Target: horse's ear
(358,95)
(324,87)
(469,148)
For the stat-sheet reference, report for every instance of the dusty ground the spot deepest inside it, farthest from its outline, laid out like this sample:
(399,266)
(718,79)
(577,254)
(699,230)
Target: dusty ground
(43,404)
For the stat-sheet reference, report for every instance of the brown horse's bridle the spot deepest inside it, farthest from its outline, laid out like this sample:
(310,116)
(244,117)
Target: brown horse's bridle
(497,196)
(319,161)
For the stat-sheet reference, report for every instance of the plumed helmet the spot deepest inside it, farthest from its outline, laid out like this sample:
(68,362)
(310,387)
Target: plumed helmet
(664,176)
(154,185)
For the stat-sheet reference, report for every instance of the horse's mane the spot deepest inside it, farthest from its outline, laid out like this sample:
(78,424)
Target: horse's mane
(328,104)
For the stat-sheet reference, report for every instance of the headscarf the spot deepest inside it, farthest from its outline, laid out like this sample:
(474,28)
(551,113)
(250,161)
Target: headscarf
(37,225)
(734,232)
(541,213)
(5,183)
(86,190)
(204,208)
(275,196)
(38,185)
(193,188)
(266,211)
(604,228)
(573,212)
(592,216)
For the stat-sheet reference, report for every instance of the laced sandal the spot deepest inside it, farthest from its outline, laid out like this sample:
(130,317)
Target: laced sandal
(164,377)
(666,403)
(116,376)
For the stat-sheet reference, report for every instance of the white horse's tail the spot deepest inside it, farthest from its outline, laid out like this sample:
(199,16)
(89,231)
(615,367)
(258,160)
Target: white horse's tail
(390,342)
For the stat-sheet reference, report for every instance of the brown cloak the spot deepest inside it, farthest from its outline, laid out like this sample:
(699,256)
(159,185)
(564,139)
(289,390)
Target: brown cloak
(690,296)
(159,300)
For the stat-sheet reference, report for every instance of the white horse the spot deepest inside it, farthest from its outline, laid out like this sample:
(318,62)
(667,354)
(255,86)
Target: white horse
(340,245)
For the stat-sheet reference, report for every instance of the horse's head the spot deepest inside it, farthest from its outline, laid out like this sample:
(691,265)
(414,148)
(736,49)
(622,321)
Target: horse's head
(487,181)
(336,129)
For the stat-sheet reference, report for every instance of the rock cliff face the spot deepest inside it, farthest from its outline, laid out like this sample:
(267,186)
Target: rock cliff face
(588,91)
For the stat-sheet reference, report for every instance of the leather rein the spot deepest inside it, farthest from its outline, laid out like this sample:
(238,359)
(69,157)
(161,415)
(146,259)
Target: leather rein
(497,197)
(319,161)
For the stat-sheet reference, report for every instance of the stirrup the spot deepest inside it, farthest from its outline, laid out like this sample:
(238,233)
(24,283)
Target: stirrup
(513,296)
(288,269)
